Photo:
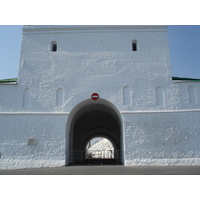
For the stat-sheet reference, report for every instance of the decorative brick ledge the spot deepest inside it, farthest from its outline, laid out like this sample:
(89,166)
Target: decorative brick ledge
(82,28)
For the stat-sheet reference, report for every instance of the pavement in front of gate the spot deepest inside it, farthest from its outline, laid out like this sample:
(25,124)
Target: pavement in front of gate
(107,170)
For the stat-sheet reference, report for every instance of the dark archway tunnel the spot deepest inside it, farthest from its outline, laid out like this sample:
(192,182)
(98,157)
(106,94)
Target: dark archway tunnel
(94,120)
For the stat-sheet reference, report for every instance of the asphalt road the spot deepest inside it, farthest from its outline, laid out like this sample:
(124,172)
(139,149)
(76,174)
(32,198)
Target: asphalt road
(107,170)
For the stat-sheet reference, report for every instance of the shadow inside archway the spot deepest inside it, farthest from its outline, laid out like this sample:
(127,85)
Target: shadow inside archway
(95,121)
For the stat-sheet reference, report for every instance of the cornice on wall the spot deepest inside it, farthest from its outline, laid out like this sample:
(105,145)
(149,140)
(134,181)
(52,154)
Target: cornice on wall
(89,28)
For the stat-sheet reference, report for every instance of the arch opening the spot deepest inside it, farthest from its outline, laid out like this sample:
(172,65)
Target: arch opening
(54,46)
(90,123)
(134,45)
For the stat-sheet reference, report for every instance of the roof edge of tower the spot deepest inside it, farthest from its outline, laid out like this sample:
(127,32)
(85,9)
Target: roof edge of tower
(91,28)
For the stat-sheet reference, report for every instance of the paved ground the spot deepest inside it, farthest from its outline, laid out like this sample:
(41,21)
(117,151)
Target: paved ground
(107,170)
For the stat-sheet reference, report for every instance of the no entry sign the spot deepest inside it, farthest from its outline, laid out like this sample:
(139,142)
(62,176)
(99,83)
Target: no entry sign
(94,96)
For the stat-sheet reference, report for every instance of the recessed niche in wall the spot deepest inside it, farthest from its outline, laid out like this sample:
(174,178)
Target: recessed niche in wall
(159,96)
(126,96)
(32,142)
(192,95)
(59,97)
(27,97)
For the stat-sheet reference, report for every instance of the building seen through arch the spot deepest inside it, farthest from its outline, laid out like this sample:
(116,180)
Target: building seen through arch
(99,148)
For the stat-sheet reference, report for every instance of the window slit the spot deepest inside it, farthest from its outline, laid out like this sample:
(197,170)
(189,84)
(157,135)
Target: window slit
(54,47)
(134,46)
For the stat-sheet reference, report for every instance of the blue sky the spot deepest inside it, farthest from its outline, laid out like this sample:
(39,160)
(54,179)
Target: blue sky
(184,46)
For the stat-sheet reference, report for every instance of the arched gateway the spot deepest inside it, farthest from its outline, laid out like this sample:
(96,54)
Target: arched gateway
(92,119)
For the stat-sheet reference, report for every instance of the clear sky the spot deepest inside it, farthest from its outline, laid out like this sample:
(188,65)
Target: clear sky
(184,46)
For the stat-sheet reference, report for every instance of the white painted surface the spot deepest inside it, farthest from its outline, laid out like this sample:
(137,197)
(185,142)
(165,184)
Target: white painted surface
(158,128)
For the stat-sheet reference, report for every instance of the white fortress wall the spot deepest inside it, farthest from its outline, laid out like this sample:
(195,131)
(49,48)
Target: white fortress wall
(32,141)
(160,118)
(162,138)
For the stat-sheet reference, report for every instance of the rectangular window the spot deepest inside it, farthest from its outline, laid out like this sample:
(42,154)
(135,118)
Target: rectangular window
(134,46)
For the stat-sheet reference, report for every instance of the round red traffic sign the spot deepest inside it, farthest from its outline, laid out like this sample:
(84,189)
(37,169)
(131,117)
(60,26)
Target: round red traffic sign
(94,96)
